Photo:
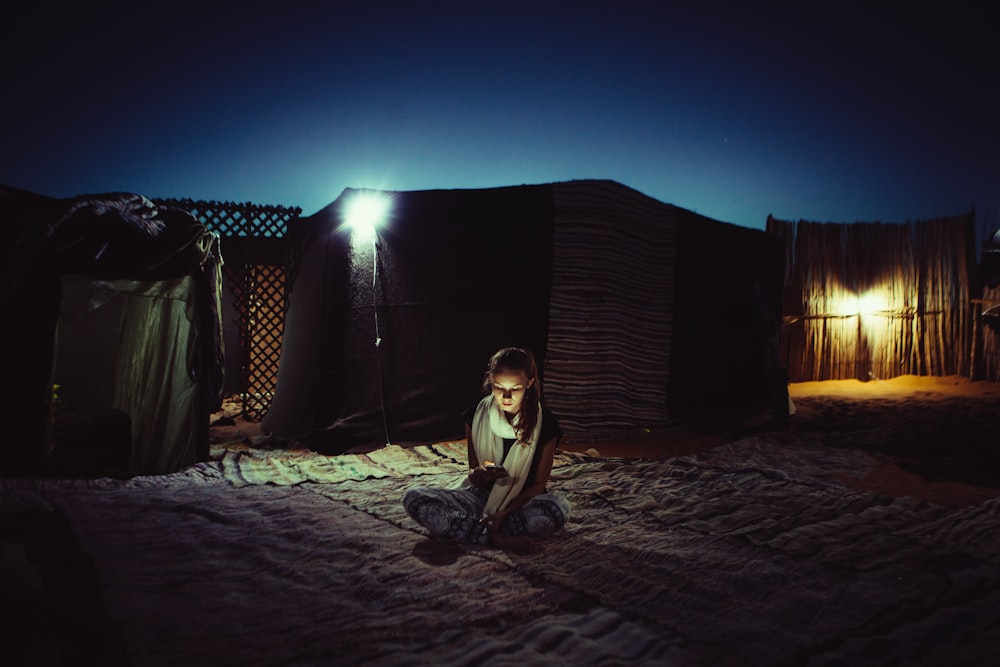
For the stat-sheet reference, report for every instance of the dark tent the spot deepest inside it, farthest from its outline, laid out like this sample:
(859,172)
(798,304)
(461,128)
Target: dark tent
(116,301)
(639,313)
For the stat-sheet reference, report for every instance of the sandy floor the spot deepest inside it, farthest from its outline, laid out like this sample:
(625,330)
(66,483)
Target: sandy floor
(935,437)
(900,387)
(866,401)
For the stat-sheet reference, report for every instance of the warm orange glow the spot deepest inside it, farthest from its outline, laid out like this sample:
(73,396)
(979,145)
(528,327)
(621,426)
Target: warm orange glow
(873,302)
(860,328)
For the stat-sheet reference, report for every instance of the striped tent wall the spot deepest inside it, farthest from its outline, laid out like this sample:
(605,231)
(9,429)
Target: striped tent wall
(607,360)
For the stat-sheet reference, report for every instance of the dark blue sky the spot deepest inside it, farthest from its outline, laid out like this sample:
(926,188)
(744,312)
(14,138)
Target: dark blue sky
(804,110)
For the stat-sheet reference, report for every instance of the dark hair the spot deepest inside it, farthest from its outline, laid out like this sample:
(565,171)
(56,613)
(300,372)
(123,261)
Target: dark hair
(518,359)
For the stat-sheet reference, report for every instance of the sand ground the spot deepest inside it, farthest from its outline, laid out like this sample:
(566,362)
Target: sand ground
(936,438)
(858,404)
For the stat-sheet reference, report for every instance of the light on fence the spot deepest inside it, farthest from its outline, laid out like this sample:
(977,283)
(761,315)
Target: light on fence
(873,302)
(848,304)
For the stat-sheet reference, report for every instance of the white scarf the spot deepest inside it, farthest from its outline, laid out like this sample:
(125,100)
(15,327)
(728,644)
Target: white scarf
(489,428)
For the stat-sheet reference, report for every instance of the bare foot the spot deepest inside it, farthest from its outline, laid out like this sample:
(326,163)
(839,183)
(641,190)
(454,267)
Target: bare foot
(518,544)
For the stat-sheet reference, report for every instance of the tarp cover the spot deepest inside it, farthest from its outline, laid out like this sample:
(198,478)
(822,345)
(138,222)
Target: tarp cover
(168,365)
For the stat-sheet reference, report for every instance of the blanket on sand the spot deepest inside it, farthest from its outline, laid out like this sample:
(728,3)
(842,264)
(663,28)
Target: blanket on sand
(749,553)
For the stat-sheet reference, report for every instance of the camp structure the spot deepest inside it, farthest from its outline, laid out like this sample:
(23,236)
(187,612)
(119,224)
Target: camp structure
(876,300)
(114,344)
(639,313)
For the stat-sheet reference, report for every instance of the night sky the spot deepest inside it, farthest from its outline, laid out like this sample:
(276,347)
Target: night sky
(804,111)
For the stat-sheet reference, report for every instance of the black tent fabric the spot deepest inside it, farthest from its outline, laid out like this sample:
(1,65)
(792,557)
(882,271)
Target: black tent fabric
(727,309)
(639,313)
(989,262)
(167,265)
(453,276)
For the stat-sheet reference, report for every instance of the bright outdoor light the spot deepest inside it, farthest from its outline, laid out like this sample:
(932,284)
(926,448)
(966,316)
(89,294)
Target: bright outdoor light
(365,212)
(872,302)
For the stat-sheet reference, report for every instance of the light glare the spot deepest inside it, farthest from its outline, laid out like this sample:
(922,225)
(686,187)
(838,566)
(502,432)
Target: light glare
(365,213)
(872,302)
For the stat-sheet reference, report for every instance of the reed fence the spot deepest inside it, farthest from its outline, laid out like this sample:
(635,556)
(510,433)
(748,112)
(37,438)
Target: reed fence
(878,300)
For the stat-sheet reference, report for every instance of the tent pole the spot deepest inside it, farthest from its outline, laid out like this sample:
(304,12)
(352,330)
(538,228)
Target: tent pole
(378,339)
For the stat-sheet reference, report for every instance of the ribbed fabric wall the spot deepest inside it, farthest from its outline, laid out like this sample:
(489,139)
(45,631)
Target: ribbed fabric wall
(607,360)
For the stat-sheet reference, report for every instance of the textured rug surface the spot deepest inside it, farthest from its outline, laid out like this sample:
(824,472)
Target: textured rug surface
(243,465)
(753,553)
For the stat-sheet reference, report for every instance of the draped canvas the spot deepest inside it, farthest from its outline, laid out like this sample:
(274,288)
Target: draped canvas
(157,251)
(156,382)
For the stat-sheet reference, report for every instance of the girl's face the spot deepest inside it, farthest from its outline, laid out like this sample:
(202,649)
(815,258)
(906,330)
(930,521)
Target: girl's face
(509,388)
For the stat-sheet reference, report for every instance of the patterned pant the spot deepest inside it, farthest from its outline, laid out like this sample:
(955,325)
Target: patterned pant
(455,514)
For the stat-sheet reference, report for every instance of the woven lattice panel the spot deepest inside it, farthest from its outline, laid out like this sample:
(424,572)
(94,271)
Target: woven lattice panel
(232,219)
(260,338)
(255,257)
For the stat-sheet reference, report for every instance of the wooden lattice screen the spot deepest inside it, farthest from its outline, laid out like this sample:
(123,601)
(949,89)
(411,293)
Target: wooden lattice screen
(255,262)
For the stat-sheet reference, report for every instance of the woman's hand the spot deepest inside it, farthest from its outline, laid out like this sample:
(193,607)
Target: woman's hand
(494,521)
(483,476)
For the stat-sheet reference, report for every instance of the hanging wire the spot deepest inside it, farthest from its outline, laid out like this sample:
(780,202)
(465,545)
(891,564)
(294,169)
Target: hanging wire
(378,340)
